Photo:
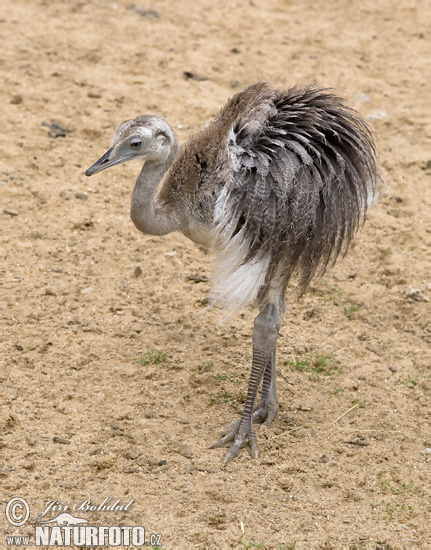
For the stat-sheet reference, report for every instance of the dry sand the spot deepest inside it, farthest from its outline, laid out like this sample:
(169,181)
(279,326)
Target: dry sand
(86,296)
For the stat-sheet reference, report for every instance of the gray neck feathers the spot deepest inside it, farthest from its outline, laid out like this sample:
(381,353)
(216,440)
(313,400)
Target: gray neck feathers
(148,216)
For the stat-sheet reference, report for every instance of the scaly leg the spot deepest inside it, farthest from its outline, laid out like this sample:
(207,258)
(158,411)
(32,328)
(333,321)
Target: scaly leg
(265,334)
(266,411)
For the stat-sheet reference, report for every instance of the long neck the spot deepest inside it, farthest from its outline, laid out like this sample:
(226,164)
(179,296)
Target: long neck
(147,216)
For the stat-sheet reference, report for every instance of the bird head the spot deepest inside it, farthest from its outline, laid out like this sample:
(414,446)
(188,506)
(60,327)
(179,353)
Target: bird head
(145,137)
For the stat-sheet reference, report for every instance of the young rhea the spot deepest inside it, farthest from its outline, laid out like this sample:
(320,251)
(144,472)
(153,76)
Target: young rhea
(276,185)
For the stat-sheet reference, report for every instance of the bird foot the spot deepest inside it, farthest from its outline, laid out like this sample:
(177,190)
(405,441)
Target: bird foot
(238,437)
(265,413)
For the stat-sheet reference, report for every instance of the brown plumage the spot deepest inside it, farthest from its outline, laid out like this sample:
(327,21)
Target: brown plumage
(276,185)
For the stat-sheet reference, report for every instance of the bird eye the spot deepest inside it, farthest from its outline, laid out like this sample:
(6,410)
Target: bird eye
(135,143)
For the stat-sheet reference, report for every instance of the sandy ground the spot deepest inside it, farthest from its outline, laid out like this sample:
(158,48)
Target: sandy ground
(85,297)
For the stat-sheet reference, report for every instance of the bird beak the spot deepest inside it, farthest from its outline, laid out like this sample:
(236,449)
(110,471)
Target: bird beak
(105,162)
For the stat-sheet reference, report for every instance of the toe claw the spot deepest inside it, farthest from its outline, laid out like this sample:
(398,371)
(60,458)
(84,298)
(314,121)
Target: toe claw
(252,447)
(236,440)
(270,418)
(232,453)
(249,443)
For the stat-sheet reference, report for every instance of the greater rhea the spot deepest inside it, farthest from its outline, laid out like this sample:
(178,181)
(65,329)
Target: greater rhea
(276,186)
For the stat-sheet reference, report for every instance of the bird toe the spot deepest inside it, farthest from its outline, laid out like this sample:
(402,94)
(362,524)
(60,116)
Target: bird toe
(223,441)
(249,443)
(265,414)
(237,439)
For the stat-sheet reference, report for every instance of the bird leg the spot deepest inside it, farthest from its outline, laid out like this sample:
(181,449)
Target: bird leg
(242,434)
(266,411)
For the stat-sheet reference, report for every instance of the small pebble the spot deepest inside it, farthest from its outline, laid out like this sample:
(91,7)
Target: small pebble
(197,278)
(416,295)
(131,469)
(81,196)
(142,12)
(363,98)
(191,468)
(132,453)
(55,130)
(378,115)
(360,441)
(188,75)
(61,440)
(89,290)
(16,100)
(98,451)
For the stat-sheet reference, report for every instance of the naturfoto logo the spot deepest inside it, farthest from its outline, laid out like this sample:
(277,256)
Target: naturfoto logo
(69,528)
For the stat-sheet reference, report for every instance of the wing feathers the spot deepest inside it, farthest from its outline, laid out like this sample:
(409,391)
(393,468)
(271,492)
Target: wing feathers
(304,169)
